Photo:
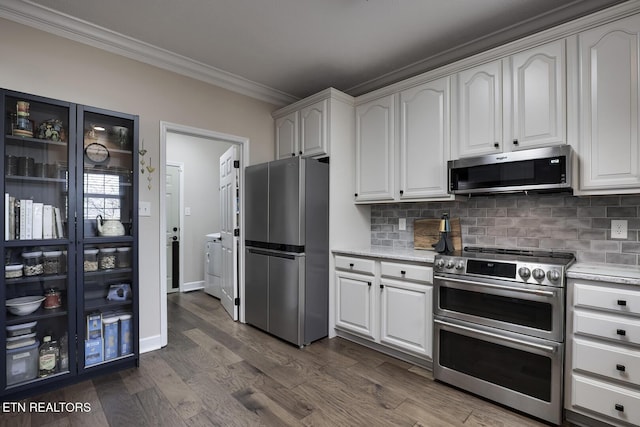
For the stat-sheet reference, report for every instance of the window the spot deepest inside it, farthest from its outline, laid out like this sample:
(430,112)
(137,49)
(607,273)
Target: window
(101,196)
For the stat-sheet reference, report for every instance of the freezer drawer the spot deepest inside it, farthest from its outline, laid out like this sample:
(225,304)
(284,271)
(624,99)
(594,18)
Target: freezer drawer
(274,293)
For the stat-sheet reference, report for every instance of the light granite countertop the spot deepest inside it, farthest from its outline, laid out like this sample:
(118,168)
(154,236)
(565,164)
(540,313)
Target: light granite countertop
(621,274)
(412,255)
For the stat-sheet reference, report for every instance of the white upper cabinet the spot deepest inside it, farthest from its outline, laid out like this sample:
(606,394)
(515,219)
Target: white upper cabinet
(608,108)
(511,104)
(287,136)
(375,150)
(313,129)
(479,110)
(538,108)
(302,129)
(424,140)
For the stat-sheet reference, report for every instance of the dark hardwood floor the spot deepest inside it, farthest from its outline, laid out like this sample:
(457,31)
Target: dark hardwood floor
(215,372)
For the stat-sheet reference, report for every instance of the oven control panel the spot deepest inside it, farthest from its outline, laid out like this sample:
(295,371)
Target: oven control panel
(518,271)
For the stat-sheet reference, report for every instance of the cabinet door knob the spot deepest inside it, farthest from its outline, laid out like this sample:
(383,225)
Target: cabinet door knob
(619,407)
(496,145)
(621,332)
(356,194)
(369,283)
(515,142)
(621,368)
(381,286)
(293,154)
(301,153)
(401,192)
(622,302)
(403,272)
(351,264)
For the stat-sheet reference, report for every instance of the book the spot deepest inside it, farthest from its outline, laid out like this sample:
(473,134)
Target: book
(59,229)
(6,216)
(12,218)
(47,222)
(28,224)
(16,216)
(23,219)
(36,228)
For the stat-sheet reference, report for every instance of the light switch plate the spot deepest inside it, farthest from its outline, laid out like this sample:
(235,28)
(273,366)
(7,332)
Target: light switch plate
(144,208)
(187,211)
(402,224)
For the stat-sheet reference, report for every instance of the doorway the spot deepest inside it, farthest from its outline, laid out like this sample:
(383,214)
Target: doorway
(193,208)
(173,197)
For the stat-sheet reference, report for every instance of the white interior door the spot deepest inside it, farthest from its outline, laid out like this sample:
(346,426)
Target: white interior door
(172,207)
(229,214)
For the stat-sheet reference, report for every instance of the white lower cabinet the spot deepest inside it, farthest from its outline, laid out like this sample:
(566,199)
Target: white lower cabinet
(391,307)
(406,316)
(603,352)
(355,304)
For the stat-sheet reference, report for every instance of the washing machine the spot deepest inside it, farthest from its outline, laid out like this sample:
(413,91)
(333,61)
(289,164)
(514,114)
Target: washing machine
(213,265)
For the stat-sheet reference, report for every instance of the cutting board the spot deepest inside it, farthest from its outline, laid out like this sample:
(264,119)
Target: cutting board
(426,233)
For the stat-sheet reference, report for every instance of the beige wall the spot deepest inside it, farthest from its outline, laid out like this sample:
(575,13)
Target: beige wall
(36,62)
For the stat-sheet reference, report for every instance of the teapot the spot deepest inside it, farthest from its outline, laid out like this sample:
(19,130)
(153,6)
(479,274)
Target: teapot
(109,227)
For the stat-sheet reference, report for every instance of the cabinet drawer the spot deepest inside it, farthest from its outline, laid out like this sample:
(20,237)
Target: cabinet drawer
(611,361)
(360,265)
(611,299)
(612,401)
(417,273)
(622,329)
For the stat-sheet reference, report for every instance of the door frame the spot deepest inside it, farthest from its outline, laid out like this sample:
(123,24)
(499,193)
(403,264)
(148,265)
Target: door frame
(179,165)
(166,128)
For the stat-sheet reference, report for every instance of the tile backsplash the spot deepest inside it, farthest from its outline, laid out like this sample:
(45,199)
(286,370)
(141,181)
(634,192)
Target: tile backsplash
(550,222)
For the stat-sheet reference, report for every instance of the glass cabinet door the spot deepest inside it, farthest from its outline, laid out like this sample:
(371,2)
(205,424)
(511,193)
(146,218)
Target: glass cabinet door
(108,193)
(39,297)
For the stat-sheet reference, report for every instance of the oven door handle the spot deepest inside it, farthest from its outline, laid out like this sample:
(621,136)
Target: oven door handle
(545,348)
(509,288)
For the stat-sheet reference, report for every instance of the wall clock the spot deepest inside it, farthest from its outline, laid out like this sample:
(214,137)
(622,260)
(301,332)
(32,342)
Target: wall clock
(97,153)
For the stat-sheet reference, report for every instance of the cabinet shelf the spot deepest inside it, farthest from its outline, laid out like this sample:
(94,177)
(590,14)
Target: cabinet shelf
(38,380)
(32,142)
(108,239)
(35,279)
(38,242)
(35,179)
(102,303)
(39,314)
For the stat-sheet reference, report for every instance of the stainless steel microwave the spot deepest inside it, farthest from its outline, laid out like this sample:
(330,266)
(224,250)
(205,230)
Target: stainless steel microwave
(547,169)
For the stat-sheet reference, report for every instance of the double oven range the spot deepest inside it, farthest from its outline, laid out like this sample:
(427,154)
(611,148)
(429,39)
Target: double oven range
(499,320)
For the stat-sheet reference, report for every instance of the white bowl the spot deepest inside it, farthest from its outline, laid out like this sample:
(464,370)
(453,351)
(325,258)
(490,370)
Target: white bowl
(24,305)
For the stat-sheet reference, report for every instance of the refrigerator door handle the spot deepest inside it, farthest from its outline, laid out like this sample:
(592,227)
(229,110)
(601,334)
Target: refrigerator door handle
(287,255)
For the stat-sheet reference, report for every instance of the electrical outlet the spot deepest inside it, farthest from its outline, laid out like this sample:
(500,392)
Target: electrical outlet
(619,229)
(402,224)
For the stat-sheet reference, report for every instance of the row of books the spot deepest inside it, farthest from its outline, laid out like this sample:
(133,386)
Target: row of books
(26,219)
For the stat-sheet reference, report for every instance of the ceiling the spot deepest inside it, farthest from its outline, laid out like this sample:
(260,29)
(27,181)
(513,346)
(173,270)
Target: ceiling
(283,50)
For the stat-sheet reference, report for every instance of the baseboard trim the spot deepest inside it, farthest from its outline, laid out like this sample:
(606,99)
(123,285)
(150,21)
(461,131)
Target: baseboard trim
(150,344)
(192,286)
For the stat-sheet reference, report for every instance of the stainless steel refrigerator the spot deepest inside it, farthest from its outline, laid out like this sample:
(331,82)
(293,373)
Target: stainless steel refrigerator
(287,248)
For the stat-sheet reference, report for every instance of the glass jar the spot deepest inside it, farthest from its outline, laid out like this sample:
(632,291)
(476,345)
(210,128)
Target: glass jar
(107,258)
(13,271)
(124,257)
(52,261)
(90,260)
(32,263)
(11,165)
(52,298)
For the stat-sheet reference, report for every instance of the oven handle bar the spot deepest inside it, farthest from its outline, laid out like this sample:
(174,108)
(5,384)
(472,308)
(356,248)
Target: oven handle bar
(489,285)
(545,348)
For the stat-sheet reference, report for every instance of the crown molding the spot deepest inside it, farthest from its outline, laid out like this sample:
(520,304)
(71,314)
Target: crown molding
(51,21)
